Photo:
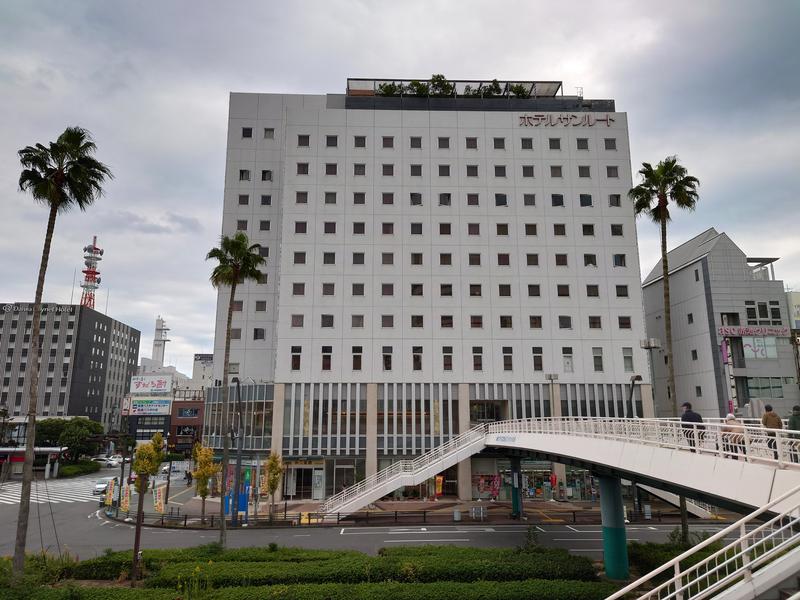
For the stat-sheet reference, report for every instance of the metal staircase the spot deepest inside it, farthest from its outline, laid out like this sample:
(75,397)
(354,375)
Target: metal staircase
(406,472)
(762,558)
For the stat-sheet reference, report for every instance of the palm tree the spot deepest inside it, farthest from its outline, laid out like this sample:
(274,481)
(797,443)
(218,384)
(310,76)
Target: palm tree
(61,176)
(669,181)
(238,262)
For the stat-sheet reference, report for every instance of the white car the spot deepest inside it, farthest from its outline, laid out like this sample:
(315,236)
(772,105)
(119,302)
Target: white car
(101,485)
(106,461)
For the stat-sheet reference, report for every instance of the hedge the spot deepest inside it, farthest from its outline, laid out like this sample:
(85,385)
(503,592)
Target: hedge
(649,556)
(79,468)
(481,590)
(365,569)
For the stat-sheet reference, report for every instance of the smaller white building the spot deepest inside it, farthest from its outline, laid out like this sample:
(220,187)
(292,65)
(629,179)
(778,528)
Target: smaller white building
(730,331)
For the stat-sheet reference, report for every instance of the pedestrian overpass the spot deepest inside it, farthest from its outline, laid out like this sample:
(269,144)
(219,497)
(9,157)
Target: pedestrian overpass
(753,470)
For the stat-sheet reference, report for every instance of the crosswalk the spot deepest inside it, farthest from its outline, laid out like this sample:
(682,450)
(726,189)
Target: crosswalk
(54,491)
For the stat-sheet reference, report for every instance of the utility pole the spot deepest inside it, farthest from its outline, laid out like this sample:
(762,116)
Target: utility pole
(169,472)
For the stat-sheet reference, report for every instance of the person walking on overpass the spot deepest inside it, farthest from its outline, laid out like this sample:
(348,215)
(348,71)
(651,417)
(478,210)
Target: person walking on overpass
(692,424)
(794,425)
(733,436)
(771,420)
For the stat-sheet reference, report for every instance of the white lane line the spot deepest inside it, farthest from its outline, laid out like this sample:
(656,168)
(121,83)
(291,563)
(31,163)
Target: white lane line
(540,529)
(342,531)
(427,541)
(587,539)
(302,535)
(573,529)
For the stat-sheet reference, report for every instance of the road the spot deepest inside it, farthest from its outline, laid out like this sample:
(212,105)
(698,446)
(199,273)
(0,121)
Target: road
(79,524)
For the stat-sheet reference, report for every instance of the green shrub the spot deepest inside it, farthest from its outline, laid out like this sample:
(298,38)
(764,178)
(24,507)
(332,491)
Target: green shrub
(79,468)
(649,556)
(82,593)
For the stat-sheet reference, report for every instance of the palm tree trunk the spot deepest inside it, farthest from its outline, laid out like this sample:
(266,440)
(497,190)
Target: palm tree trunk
(225,439)
(667,312)
(33,396)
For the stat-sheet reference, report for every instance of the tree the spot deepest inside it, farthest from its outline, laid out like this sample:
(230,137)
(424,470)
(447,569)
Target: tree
(205,470)
(238,261)
(274,472)
(668,182)
(48,431)
(75,434)
(62,176)
(146,462)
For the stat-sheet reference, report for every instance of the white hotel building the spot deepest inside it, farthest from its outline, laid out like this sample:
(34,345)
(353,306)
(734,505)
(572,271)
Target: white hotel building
(431,263)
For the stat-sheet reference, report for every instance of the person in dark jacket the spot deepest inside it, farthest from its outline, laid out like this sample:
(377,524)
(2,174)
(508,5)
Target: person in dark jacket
(794,425)
(692,424)
(771,420)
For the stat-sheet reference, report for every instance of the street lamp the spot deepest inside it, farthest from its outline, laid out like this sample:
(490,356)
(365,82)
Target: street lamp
(552,378)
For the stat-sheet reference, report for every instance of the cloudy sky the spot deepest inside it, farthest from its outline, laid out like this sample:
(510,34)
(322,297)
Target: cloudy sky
(717,83)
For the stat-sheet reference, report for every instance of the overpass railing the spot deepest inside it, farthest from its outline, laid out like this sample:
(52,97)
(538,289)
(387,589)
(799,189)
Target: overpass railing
(762,547)
(743,442)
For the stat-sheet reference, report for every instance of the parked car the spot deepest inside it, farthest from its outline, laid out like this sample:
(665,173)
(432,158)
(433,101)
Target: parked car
(101,485)
(106,461)
(117,457)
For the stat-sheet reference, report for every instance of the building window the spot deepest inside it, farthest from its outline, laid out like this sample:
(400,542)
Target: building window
(446,290)
(360,141)
(387,358)
(331,141)
(269,133)
(527,170)
(359,198)
(258,333)
(387,198)
(532,259)
(447,358)
(475,290)
(236,333)
(585,200)
(444,142)
(473,199)
(690,318)
(445,259)
(301,197)
(387,141)
(241,225)
(416,358)
(556,171)
(595,322)
(506,322)
(694,354)
(473,229)
(387,170)
(359,169)
(534,290)
(387,228)
(624,322)
(444,228)
(358,258)
(584,171)
(416,170)
(266,200)
(471,143)
(357,289)
(331,168)
(564,322)
(416,228)
(698,391)
(444,199)
(529,199)
(557,199)
(597,359)
(357,353)
(387,289)
(622,291)
(583,143)
(263,225)
(559,229)
(508,358)
(357,321)
(326,321)
(446,321)
(503,259)
(477,358)
(589,260)
(526,143)
(244,199)
(302,168)
(237,307)
(612,172)
(328,289)
(416,258)
(266,175)
(610,143)
(535,321)
(500,200)
(416,289)
(499,143)
(359,228)
(303,140)
(444,170)
(561,260)
(415,142)
(614,200)
(592,290)
(499,170)
(387,258)
(504,290)
(415,199)
(300,227)
(554,143)
(562,290)
(619,260)
(328,258)
(417,321)
(587,229)
(616,229)
(261,305)
(472,170)
(298,289)
(296,350)
(244,175)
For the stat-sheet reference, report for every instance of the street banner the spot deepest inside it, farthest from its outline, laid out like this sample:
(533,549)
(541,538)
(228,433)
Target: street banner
(126,499)
(158,499)
(439,484)
(110,492)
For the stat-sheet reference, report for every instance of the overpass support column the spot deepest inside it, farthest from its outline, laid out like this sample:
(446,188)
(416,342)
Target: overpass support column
(612,515)
(516,487)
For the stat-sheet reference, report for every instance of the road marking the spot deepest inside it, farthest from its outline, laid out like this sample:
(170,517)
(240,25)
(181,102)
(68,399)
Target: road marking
(587,539)
(573,529)
(302,535)
(427,541)
(540,529)
(342,531)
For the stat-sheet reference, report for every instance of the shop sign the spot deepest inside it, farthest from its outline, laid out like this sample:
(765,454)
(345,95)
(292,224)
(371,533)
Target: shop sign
(729,331)
(583,119)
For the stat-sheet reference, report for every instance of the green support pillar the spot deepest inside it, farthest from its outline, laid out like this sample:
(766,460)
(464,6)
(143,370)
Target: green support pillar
(612,516)
(516,488)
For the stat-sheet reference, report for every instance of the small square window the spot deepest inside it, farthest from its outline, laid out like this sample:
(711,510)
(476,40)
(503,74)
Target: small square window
(417,321)
(264,225)
(476,321)
(416,228)
(499,170)
(472,170)
(614,200)
(501,228)
(244,199)
(303,140)
(330,197)
(415,199)
(595,322)
(561,260)
(584,171)
(387,289)
(387,141)
(298,289)
(329,227)
(387,198)
(358,258)
(530,228)
(416,289)
(503,259)
(557,199)
(612,172)
(500,200)
(444,142)
(326,321)
(619,260)
(562,290)
(583,143)
(616,229)
(244,175)
(356,321)
(359,198)
(359,228)
(359,169)
(445,259)
(473,229)
(269,133)
(473,199)
(357,289)
(387,228)
(331,141)
(556,171)
(446,290)
(237,307)
(444,170)
(387,258)
(526,143)
(506,322)
(446,321)
(472,143)
(564,322)
(416,258)
(266,200)
(499,143)
(475,290)
(535,321)
(532,260)
(360,141)
(241,225)
(527,170)
(585,200)
(529,199)
(261,305)
(445,199)
(610,143)
(592,290)
(587,229)
(299,258)
(328,258)
(534,290)
(554,143)
(300,227)
(247,132)
(387,170)
(415,141)
(236,333)
(297,320)
(624,322)
(302,168)
(622,291)
(694,354)
(301,197)
(444,228)
(589,260)
(559,229)
(416,170)
(474,259)
(504,290)
(690,318)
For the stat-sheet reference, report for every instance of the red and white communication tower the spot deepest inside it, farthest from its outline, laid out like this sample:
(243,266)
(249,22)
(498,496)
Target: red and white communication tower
(91,276)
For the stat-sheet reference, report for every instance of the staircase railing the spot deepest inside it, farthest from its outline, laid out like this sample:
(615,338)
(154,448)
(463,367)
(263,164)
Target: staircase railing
(403,466)
(736,561)
(750,443)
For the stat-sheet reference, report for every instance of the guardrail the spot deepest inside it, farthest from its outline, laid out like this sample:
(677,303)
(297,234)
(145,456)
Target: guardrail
(750,443)
(735,562)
